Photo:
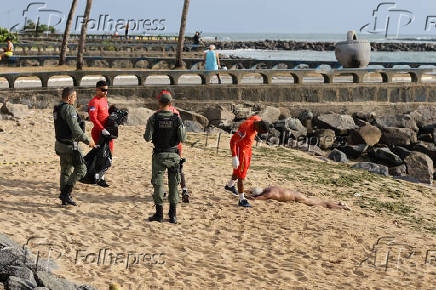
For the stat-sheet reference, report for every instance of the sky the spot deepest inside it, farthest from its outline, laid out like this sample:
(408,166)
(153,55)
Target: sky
(237,16)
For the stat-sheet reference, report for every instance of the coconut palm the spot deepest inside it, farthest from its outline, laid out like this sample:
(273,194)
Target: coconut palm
(63,55)
(181,41)
(83,35)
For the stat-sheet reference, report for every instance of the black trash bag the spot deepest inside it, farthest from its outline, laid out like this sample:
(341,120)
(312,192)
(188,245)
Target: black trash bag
(99,159)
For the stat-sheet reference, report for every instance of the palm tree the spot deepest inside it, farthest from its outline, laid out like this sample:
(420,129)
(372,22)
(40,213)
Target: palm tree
(83,35)
(179,63)
(63,55)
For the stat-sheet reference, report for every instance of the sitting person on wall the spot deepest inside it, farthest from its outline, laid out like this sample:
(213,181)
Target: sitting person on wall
(9,50)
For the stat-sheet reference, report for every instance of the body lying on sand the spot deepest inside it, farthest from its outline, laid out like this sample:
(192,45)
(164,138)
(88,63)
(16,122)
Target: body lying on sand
(283,194)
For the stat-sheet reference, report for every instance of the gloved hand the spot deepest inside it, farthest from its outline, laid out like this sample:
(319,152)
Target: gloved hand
(235,162)
(105,132)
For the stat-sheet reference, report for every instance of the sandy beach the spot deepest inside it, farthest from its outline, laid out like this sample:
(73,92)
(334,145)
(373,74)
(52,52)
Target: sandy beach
(217,245)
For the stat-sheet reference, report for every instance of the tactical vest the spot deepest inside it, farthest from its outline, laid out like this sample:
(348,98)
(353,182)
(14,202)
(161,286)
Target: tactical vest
(165,132)
(62,130)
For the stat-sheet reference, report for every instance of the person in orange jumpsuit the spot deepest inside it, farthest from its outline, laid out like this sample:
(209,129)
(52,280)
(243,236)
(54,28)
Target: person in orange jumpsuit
(98,114)
(241,147)
(185,193)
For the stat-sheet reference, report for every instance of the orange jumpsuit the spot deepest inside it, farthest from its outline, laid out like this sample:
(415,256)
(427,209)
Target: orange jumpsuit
(98,114)
(241,146)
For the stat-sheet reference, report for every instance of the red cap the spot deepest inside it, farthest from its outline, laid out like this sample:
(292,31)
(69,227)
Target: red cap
(163,92)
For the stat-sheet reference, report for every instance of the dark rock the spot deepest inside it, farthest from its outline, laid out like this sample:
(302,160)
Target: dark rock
(338,156)
(397,121)
(372,168)
(15,110)
(273,141)
(270,114)
(192,116)
(17,271)
(340,123)
(242,113)
(284,113)
(305,115)
(354,151)
(315,150)
(398,136)
(385,155)
(360,122)
(426,137)
(420,167)
(365,116)
(401,152)
(193,127)
(400,170)
(326,138)
(16,283)
(219,116)
(11,257)
(52,282)
(292,124)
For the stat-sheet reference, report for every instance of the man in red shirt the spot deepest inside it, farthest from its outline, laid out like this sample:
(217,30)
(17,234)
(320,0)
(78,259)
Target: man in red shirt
(185,193)
(98,114)
(241,147)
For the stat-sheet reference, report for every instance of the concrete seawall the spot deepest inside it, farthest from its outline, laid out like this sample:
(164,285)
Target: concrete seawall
(400,97)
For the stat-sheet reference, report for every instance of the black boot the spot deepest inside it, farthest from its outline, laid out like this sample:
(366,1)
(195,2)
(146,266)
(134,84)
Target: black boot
(65,196)
(185,196)
(158,216)
(172,213)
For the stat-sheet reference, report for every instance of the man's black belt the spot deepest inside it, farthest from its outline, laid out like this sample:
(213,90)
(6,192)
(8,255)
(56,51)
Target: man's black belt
(167,150)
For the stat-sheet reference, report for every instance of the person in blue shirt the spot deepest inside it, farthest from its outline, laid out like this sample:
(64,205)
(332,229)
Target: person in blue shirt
(212,61)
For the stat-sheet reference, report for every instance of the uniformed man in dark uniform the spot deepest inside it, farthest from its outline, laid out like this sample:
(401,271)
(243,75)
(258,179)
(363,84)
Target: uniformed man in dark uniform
(166,130)
(69,132)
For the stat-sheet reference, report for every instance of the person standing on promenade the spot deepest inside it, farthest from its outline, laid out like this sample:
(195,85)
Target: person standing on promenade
(185,193)
(98,114)
(9,50)
(166,131)
(241,147)
(127,29)
(69,132)
(212,61)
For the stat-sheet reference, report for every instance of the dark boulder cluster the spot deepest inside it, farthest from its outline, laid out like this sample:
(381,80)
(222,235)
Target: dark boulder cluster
(320,46)
(402,146)
(21,270)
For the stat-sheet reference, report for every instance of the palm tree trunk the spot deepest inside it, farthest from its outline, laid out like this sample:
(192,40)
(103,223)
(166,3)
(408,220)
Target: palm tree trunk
(63,55)
(83,35)
(179,63)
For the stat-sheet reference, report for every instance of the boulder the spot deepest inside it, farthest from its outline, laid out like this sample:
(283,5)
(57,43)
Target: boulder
(401,152)
(270,114)
(19,272)
(365,116)
(11,257)
(397,121)
(338,156)
(372,168)
(16,283)
(340,123)
(424,115)
(305,115)
(326,138)
(47,279)
(315,150)
(138,116)
(219,116)
(434,135)
(293,124)
(242,113)
(386,156)
(192,116)
(420,167)
(193,127)
(15,110)
(398,136)
(425,137)
(5,241)
(368,134)
(427,148)
(400,170)
(353,151)
(215,131)
(284,113)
